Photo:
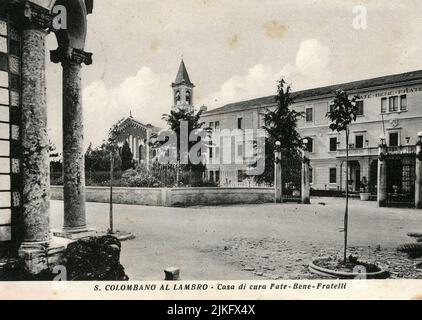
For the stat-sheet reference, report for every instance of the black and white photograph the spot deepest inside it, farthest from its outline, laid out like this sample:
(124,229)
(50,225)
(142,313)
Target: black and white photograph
(258,149)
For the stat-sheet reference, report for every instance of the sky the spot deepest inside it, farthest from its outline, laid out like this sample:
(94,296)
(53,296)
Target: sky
(233,49)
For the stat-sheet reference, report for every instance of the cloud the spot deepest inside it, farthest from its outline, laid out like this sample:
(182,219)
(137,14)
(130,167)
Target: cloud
(311,68)
(147,95)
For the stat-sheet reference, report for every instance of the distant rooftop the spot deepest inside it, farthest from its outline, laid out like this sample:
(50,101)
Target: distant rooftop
(323,91)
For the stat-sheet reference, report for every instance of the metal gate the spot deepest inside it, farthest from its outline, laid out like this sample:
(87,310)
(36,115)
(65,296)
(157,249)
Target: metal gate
(292,179)
(401,178)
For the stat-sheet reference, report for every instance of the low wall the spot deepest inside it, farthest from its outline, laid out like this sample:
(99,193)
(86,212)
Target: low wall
(177,197)
(139,196)
(217,196)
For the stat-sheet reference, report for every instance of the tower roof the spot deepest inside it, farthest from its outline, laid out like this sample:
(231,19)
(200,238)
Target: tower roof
(182,75)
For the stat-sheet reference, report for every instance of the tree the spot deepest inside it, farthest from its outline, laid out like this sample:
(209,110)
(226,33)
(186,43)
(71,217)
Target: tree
(280,125)
(113,149)
(127,157)
(192,118)
(343,112)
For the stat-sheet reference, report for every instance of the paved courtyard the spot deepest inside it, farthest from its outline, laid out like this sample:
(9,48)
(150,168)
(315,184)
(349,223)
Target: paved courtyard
(252,241)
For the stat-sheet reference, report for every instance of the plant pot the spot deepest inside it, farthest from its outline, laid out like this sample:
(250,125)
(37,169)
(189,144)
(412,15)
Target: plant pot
(365,196)
(319,266)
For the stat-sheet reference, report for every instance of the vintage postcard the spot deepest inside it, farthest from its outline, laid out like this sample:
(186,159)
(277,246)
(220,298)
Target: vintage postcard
(210,149)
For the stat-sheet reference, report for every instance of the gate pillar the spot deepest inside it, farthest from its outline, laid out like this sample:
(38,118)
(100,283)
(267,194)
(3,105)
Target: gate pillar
(306,187)
(382,174)
(418,170)
(278,184)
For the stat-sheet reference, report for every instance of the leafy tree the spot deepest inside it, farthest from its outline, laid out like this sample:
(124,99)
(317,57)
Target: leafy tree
(344,112)
(280,125)
(192,118)
(127,157)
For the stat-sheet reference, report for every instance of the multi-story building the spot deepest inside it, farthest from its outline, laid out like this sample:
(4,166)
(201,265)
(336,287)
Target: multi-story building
(390,108)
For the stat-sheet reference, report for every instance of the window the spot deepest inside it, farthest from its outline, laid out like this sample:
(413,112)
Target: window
(212,125)
(331,109)
(212,176)
(359,105)
(177,98)
(188,97)
(393,104)
(333,175)
(384,105)
(240,150)
(217,153)
(217,125)
(309,114)
(211,152)
(393,139)
(217,176)
(311,175)
(403,103)
(240,123)
(310,145)
(359,142)
(333,144)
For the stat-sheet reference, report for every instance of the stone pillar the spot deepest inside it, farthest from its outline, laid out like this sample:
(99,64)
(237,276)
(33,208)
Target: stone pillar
(35,142)
(73,146)
(306,186)
(382,175)
(278,183)
(418,183)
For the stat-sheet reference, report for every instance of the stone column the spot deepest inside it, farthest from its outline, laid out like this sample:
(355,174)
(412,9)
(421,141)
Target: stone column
(35,142)
(73,146)
(306,186)
(278,183)
(418,183)
(382,175)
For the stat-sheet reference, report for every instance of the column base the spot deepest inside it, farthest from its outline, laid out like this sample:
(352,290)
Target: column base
(41,256)
(75,233)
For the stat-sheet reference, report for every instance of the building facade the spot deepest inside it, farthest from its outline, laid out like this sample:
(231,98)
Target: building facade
(390,108)
(138,136)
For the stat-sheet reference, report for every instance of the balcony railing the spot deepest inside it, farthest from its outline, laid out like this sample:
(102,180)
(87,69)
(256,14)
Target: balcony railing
(358,152)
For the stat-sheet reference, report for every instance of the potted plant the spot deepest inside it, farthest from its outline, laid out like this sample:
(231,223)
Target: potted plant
(365,195)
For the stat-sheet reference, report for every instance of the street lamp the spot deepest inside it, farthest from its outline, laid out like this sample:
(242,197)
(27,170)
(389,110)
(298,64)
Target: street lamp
(382,138)
(277,151)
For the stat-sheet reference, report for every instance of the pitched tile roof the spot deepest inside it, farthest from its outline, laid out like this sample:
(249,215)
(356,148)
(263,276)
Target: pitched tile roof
(323,91)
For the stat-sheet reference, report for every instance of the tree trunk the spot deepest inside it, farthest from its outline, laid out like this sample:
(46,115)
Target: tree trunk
(111,230)
(346,212)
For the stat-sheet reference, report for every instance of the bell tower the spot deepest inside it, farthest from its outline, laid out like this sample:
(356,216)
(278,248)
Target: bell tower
(182,89)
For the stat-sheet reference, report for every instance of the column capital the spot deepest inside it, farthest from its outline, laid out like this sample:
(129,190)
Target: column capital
(37,15)
(70,55)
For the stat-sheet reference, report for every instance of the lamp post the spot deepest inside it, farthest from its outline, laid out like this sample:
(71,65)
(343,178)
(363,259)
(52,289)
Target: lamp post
(277,174)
